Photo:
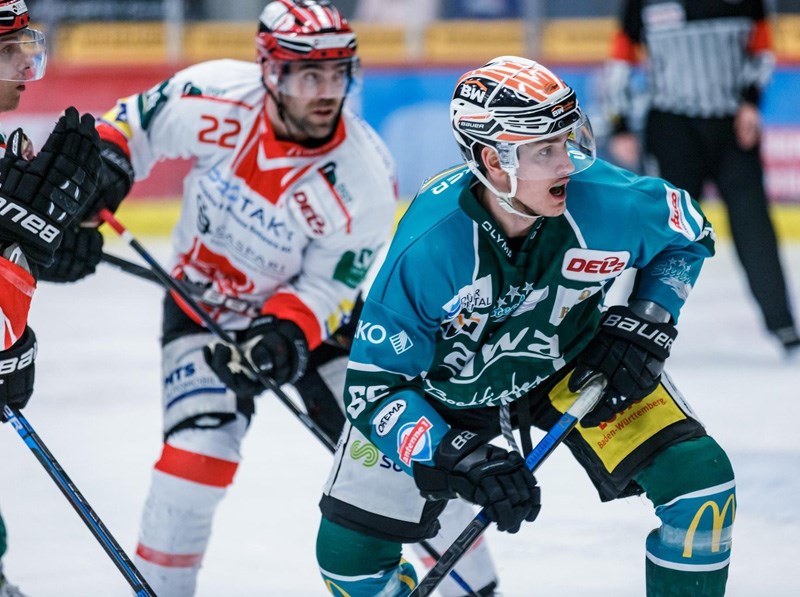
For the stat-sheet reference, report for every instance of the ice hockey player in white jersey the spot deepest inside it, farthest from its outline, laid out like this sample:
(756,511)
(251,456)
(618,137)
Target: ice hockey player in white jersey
(288,200)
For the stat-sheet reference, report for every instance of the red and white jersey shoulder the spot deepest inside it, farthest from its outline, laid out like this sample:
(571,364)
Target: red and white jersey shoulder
(17,286)
(288,228)
(16,291)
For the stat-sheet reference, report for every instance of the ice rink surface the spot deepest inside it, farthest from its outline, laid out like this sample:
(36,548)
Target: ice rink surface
(96,406)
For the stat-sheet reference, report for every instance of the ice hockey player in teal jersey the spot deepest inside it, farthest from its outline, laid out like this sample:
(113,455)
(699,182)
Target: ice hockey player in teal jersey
(488,314)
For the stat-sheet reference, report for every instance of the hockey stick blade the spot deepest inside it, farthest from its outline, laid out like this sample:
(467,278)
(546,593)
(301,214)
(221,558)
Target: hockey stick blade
(78,502)
(589,396)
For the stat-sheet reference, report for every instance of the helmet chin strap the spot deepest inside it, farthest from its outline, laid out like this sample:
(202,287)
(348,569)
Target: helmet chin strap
(505,200)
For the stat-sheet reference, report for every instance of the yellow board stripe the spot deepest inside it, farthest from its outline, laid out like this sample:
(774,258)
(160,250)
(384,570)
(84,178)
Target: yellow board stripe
(156,217)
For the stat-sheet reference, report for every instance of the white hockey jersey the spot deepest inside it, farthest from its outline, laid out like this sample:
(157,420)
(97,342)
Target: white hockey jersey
(271,223)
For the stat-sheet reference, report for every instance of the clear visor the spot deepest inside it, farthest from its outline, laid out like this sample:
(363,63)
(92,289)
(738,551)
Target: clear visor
(560,155)
(23,56)
(315,78)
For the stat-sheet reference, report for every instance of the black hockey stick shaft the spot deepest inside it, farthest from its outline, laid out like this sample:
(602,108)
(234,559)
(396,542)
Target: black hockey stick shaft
(158,274)
(129,267)
(174,285)
(78,502)
(589,396)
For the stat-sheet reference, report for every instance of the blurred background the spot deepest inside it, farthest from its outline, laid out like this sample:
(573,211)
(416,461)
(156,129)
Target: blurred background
(412,52)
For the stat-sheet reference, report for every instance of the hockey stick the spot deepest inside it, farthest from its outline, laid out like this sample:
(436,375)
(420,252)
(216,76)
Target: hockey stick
(78,502)
(129,267)
(589,396)
(175,286)
(158,274)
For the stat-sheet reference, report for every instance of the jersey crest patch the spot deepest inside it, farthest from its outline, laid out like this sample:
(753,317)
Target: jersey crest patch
(477,295)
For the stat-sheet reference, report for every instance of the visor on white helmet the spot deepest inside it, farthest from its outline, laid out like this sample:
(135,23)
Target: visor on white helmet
(314,78)
(562,153)
(23,56)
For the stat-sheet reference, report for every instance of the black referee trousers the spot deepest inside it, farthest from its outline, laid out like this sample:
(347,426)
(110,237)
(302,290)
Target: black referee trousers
(690,151)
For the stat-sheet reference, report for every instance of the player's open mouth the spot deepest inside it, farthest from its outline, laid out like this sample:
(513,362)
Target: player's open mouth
(558,190)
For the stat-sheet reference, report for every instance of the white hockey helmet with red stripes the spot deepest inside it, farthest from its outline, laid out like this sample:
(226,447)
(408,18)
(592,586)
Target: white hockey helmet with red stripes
(13,16)
(292,30)
(513,101)
(24,51)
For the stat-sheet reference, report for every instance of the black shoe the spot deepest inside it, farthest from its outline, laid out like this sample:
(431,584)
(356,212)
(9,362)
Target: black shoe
(790,340)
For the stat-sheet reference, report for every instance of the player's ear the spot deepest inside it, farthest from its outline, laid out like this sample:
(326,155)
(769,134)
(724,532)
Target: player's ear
(490,161)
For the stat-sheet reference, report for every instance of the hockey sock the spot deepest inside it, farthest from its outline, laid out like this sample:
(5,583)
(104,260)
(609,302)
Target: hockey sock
(188,483)
(355,564)
(692,487)
(3,545)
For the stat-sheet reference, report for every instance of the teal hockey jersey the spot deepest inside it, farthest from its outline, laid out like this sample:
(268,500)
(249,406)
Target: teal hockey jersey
(456,315)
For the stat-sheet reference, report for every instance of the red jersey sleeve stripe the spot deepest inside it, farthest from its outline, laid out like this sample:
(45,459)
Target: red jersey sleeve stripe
(287,306)
(623,48)
(760,38)
(199,468)
(16,290)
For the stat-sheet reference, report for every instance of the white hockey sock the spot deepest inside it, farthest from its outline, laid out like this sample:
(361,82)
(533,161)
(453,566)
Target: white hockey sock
(188,483)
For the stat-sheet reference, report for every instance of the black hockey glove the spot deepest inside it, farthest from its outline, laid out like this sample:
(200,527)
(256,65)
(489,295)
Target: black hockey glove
(483,474)
(276,347)
(17,372)
(630,351)
(80,252)
(116,181)
(40,196)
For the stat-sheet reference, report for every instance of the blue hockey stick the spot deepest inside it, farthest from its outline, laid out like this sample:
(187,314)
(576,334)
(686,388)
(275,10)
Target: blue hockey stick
(586,400)
(78,502)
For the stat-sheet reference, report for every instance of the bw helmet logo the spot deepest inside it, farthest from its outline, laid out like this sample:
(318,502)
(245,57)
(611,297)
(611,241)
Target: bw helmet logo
(473,90)
(562,108)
